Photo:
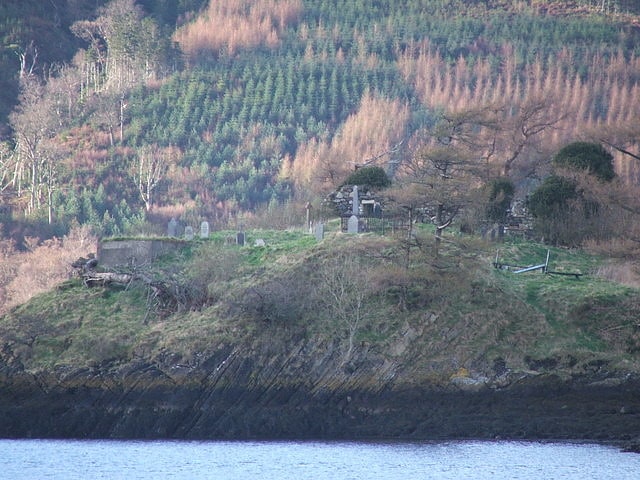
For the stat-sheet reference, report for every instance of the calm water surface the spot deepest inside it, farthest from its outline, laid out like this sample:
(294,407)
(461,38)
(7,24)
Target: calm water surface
(62,459)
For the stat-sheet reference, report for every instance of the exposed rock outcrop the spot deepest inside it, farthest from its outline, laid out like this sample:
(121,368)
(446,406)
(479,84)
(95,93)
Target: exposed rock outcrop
(308,391)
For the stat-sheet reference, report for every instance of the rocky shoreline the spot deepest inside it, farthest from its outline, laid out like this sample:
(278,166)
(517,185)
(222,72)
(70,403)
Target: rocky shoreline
(232,396)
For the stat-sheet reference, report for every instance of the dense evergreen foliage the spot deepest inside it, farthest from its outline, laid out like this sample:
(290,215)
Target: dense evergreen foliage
(226,122)
(306,89)
(590,157)
(374,177)
(501,192)
(552,197)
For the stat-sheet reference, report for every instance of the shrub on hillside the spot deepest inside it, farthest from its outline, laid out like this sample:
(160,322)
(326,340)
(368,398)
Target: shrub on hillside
(568,206)
(589,157)
(374,177)
(45,265)
(501,191)
(552,196)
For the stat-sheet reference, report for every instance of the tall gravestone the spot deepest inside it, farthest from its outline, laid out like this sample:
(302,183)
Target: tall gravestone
(172,228)
(308,209)
(204,230)
(188,233)
(319,231)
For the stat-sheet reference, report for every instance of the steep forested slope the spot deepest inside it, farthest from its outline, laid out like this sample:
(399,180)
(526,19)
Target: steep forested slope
(270,101)
(38,33)
(303,89)
(213,111)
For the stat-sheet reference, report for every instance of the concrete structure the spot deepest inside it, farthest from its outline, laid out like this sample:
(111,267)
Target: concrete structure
(128,253)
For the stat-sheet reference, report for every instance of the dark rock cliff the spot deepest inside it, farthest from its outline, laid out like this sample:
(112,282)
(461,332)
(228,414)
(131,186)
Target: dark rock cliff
(308,391)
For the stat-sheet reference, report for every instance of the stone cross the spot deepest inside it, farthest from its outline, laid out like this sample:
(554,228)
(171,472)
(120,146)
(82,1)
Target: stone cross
(204,230)
(356,201)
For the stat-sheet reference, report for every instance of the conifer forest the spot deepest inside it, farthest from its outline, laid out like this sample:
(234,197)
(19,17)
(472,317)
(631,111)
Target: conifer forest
(119,115)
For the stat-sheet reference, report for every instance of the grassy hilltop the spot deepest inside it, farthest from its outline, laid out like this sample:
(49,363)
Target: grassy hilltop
(199,112)
(469,116)
(454,314)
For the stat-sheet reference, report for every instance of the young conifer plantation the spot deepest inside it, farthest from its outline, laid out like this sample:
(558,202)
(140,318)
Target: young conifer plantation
(213,110)
(394,220)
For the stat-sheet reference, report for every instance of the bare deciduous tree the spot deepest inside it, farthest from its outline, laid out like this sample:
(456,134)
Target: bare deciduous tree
(6,166)
(521,130)
(63,87)
(125,45)
(624,139)
(106,113)
(150,168)
(28,60)
(36,121)
(42,267)
(444,172)
(343,289)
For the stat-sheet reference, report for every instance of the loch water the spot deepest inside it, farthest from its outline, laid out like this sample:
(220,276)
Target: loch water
(106,459)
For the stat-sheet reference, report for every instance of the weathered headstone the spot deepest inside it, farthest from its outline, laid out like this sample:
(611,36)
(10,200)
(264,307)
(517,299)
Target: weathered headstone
(240,239)
(188,233)
(356,201)
(172,228)
(319,231)
(377,210)
(204,229)
(352,224)
(259,243)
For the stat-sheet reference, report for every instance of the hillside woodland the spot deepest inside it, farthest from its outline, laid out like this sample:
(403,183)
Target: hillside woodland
(120,115)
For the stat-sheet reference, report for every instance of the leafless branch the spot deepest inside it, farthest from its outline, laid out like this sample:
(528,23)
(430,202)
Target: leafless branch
(620,149)
(370,160)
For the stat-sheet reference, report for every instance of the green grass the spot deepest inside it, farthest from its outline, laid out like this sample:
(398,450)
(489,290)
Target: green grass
(461,307)
(76,325)
(564,301)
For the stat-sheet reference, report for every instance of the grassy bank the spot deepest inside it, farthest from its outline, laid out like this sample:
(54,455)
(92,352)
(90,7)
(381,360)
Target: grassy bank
(449,314)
